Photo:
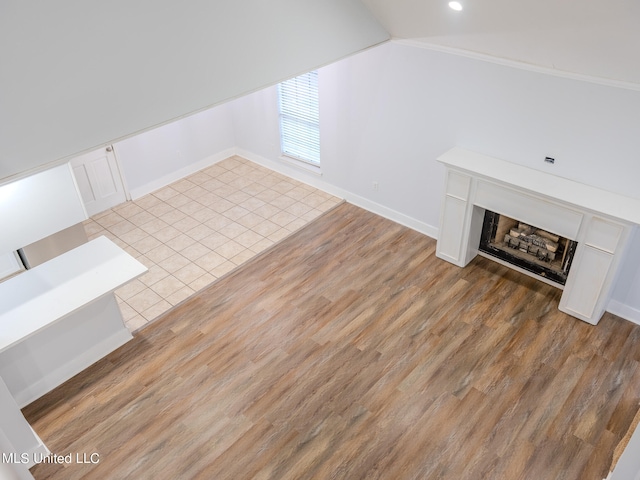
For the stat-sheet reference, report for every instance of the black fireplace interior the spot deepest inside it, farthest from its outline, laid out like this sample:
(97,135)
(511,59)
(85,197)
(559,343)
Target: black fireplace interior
(531,248)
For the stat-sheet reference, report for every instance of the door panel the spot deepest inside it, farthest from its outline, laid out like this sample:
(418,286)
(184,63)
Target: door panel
(104,177)
(452,228)
(99,180)
(84,185)
(588,277)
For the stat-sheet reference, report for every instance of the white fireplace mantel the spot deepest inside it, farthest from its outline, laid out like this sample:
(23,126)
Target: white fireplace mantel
(600,221)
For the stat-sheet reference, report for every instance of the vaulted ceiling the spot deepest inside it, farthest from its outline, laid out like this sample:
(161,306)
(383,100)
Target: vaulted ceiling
(594,38)
(79,74)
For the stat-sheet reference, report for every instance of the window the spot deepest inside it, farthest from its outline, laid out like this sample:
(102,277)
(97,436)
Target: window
(300,118)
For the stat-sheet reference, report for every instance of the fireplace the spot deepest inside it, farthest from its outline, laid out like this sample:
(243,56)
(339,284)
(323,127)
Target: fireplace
(526,246)
(567,234)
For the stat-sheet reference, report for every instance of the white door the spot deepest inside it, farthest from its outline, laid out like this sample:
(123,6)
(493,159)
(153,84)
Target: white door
(99,180)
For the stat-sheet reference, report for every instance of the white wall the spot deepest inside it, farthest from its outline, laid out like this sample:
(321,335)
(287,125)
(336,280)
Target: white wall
(365,137)
(162,155)
(387,113)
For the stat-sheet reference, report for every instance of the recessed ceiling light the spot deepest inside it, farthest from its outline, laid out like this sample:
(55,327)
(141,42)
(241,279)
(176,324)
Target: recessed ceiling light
(457,6)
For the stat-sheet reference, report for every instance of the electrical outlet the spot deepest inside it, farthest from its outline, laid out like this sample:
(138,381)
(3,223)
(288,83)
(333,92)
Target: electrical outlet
(375,186)
(549,160)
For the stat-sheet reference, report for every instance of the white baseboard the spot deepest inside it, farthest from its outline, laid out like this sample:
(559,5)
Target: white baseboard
(624,311)
(318,182)
(180,174)
(402,219)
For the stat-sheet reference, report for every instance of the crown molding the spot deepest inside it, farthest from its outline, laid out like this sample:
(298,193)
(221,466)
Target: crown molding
(517,64)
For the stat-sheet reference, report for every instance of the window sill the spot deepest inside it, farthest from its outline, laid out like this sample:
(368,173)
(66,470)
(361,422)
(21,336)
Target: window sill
(302,165)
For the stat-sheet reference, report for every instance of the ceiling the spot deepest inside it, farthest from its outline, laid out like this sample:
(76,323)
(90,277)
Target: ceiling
(79,74)
(597,39)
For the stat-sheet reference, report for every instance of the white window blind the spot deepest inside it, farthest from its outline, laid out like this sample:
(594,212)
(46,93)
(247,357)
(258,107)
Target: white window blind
(300,118)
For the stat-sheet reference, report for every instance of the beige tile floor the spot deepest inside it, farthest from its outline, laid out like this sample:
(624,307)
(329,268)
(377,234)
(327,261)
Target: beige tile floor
(199,228)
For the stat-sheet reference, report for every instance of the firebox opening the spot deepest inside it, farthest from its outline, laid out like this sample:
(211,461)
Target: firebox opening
(526,246)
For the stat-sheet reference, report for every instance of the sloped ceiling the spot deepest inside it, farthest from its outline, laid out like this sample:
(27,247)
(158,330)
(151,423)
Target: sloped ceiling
(79,74)
(592,38)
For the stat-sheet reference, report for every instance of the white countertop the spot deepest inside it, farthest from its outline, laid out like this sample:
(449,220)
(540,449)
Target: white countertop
(40,296)
(552,186)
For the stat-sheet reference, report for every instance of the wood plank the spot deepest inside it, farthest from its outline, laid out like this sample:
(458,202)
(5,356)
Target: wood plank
(349,350)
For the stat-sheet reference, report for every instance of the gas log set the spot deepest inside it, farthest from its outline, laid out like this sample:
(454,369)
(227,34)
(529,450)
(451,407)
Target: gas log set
(531,248)
(533,241)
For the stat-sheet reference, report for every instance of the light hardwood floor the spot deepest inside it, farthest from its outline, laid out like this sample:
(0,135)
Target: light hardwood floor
(348,350)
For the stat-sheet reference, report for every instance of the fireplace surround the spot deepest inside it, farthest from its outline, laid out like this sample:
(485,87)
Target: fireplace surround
(548,213)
